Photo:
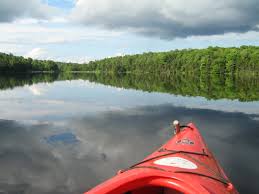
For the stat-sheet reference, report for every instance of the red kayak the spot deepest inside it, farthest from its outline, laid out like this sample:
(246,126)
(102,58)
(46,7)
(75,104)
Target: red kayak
(183,165)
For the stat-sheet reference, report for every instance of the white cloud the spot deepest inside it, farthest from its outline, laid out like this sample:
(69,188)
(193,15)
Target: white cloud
(10,10)
(37,53)
(170,19)
(119,54)
(38,89)
(34,90)
(28,37)
(31,31)
(74,59)
(250,36)
(44,54)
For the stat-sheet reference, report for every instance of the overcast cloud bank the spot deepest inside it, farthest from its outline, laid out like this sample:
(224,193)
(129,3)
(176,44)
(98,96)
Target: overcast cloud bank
(169,19)
(14,9)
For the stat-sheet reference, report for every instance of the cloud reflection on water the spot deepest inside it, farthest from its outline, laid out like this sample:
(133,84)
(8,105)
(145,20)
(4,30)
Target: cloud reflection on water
(70,98)
(112,140)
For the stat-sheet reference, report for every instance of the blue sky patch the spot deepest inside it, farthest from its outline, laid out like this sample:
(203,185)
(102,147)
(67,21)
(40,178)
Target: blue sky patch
(62,4)
(65,138)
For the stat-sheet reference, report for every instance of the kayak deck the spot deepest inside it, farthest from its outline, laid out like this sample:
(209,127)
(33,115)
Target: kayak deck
(182,165)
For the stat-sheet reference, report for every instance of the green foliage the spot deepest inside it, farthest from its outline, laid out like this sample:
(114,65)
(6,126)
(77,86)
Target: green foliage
(14,64)
(214,60)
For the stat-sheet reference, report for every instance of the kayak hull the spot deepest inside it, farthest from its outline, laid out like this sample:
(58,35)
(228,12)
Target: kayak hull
(184,164)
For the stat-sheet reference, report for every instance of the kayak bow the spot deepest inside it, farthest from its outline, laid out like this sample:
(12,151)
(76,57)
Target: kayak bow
(182,165)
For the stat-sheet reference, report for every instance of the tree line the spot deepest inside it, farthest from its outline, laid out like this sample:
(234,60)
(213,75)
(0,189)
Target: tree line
(212,60)
(216,60)
(18,64)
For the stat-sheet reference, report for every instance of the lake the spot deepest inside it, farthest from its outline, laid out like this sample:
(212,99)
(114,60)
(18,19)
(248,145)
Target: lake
(66,134)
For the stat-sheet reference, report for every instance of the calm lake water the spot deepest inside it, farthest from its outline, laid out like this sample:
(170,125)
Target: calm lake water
(68,136)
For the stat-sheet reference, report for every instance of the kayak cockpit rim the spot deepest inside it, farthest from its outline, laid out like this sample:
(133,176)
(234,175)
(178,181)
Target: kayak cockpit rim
(172,186)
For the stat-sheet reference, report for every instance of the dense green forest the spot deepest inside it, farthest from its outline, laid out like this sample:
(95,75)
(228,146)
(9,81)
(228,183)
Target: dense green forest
(191,61)
(214,73)
(18,64)
(244,59)
(243,88)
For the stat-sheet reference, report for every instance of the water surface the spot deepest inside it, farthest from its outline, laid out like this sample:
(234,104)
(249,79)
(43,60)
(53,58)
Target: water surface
(67,136)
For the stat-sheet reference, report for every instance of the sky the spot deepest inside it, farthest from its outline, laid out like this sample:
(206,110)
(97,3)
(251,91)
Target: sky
(84,30)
